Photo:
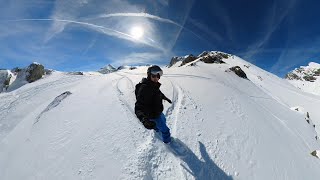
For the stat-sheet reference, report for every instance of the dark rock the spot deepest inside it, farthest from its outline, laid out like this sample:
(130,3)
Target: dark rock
(204,53)
(239,72)
(314,153)
(174,60)
(292,76)
(205,56)
(212,59)
(76,73)
(34,72)
(223,55)
(309,78)
(188,59)
(48,71)
(317,72)
(7,81)
(16,70)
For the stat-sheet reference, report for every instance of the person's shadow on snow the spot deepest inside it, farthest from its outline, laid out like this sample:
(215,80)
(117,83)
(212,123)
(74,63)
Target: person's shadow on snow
(205,169)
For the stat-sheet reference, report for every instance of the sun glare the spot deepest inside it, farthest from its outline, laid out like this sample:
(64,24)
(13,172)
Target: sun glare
(137,32)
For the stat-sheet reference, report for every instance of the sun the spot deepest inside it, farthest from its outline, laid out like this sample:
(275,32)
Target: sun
(137,32)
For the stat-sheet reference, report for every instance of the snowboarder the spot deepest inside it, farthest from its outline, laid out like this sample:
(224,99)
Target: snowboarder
(148,106)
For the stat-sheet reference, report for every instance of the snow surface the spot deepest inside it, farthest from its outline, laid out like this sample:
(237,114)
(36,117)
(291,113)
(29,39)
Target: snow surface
(84,127)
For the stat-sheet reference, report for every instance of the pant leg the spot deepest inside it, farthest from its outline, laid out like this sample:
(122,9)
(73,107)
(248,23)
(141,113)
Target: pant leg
(163,128)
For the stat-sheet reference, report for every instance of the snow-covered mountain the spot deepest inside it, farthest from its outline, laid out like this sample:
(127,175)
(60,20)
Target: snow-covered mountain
(306,78)
(205,56)
(13,79)
(84,127)
(107,69)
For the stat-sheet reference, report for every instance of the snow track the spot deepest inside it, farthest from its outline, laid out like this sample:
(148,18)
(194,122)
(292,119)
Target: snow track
(151,160)
(20,99)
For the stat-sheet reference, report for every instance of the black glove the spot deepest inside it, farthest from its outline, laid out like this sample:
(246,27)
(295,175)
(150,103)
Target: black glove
(167,99)
(148,124)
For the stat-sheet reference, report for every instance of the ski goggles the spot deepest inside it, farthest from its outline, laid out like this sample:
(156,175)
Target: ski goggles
(155,74)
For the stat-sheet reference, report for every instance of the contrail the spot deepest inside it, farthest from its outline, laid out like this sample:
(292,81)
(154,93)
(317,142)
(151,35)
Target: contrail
(145,15)
(109,31)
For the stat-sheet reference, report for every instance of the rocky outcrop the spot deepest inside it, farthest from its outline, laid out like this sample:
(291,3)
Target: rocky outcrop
(17,77)
(206,57)
(35,72)
(174,60)
(188,59)
(305,73)
(212,59)
(79,73)
(292,76)
(238,71)
(5,78)
(184,59)
(315,153)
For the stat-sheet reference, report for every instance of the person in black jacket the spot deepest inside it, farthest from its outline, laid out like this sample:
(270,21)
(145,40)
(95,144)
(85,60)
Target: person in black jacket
(148,106)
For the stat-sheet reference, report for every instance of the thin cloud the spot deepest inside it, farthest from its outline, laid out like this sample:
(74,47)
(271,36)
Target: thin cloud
(222,13)
(140,58)
(153,17)
(163,2)
(189,5)
(93,42)
(102,29)
(274,19)
(206,29)
(293,56)
(145,15)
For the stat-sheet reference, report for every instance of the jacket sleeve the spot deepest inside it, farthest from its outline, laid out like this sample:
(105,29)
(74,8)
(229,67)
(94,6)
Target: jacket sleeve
(164,97)
(144,98)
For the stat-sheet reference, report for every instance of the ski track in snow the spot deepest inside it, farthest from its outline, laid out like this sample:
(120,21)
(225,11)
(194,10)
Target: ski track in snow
(22,97)
(198,164)
(155,162)
(152,160)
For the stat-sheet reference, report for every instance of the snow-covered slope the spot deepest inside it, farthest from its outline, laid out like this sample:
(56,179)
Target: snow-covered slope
(84,127)
(306,78)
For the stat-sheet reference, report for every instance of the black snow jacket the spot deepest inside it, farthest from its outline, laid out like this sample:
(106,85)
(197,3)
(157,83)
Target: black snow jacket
(149,100)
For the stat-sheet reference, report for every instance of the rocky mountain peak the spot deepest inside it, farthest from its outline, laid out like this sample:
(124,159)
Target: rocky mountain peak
(205,56)
(305,73)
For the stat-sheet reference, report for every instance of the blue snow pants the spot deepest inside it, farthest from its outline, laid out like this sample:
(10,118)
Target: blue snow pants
(162,127)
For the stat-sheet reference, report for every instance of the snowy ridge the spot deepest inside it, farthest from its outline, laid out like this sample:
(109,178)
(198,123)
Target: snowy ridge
(306,78)
(233,128)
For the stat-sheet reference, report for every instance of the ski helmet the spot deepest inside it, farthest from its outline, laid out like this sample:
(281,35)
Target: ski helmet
(154,69)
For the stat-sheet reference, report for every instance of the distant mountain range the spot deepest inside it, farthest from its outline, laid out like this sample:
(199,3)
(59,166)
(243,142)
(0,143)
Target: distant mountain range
(305,78)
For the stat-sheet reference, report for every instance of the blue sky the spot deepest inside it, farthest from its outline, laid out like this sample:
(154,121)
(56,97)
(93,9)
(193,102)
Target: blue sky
(83,35)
